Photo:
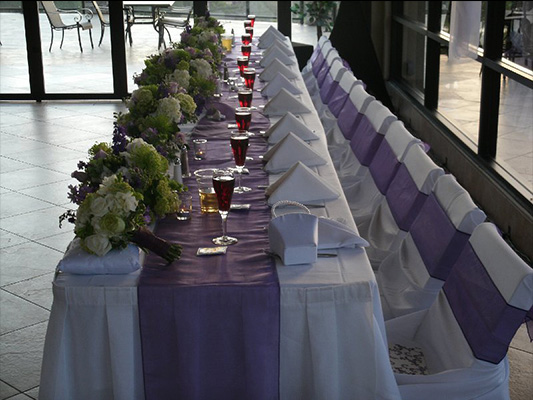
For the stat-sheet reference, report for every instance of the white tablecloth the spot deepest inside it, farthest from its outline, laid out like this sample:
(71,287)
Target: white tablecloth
(333,342)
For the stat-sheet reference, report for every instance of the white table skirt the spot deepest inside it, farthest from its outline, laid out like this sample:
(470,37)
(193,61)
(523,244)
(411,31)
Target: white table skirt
(333,341)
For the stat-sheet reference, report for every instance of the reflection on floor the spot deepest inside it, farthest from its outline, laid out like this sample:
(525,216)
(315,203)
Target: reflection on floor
(40,145)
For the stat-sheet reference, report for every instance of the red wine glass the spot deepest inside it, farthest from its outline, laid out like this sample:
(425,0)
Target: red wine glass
(246,50)
(249,77)
(249,30)
(242,62)
(246,39)
(247,23)
(224,183)
(251,18)
(239,146)
(243,118)
(245,97)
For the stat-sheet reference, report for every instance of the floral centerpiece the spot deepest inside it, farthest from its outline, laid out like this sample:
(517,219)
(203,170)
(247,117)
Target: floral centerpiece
(112,217)
(155,118)
(204,35)
(139,164)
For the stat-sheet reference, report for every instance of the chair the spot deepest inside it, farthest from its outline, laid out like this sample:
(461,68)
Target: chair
(310,76)
(316,53)
(331,81)
(457,349)
(56,22)
(365,190)
(103,21)
(406,195)
(410,278)
(167,19)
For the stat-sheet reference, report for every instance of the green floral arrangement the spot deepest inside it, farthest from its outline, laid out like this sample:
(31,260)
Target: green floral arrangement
(112,217)
(139,164)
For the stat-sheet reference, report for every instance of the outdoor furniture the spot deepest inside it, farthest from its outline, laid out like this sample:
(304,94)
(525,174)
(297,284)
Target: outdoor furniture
(103,21)
(168,18)
(56,22)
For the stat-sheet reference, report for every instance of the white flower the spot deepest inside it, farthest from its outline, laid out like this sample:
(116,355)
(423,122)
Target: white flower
(107,181)
(99,206)
(134,144)
(181,77)
(203,68)
(121,203)
(97,244)
(170,107)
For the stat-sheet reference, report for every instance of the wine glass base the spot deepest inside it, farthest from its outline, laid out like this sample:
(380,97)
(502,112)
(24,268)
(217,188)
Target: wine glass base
(224,240)
(242,189)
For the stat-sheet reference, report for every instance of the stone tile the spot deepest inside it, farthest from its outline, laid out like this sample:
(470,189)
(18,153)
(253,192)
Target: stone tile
(58,242)
(21,354)
(18,313)
(7,391)
(8,239)
(55,193)
(36,225)
(15,203)
(37,290)
(521,340)
(33,393)
(26,261)
(9,165)
(521,374)
(20,396)
(30,177)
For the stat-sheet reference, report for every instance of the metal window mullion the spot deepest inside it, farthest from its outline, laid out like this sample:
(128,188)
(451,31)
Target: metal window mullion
(118,49)
(490,81)
(30,11)
(431,89)
(396,42)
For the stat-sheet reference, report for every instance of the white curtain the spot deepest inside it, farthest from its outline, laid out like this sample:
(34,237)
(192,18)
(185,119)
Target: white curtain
(464,31)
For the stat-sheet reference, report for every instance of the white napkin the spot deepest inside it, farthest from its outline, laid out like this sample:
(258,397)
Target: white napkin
(293,237)
(301,184)
(334,234)
(78,261)
(273,87)
(276,53)
(289,123)
(277,67)
(286,152)
(271,30)
(269,36)
(284,101)
(284,46)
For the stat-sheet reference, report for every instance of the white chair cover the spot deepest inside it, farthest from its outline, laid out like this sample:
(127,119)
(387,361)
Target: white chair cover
(465,334)
(410,278)
(308,66)
(337,101)
(313,84)
(334,75)
(407,192)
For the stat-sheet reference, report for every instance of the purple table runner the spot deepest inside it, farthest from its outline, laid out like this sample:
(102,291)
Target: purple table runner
(210,325)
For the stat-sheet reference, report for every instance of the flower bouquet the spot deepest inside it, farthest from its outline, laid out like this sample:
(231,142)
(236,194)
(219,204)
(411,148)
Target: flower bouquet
(112,217)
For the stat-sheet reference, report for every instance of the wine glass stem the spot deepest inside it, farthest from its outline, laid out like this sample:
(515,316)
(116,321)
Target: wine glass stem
(224,215)
(239,177)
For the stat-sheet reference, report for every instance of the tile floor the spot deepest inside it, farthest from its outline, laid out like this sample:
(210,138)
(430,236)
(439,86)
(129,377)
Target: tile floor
(40,145)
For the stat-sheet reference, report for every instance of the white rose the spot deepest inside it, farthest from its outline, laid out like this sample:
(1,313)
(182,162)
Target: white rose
(99,206)
(138,142)
(128,201)
(97,244)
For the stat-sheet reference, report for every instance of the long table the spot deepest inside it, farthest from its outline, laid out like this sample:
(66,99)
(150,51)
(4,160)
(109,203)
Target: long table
(332,342)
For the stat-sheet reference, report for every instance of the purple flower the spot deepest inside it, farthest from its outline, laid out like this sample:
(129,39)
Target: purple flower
(120,141)
(146,216)
(80,176)
(100,154)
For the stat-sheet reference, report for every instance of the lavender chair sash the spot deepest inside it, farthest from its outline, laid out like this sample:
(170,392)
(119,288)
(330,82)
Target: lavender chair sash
(328,87)
(438,242)
(404,199)
(318,63)
(348,119)
(384,166)
(323,73)
(337,101)
(365,141)
(487,321)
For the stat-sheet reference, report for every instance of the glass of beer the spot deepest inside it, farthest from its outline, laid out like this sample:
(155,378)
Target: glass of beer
(206,191)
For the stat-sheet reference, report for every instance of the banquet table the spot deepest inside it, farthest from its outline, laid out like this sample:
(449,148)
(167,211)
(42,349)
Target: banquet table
(327,340)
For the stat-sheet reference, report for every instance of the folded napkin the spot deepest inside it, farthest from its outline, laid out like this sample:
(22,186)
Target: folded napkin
(289,123)
(286,152)
(334,234)
(303,185)
(284,101)
(283,46)
(273,87)
(78,261)
(275,68)
(294,238)
(276,53)
(269,32)
(268,38)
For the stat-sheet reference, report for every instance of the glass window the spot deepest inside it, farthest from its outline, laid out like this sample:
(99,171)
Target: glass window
(14,74)
(415,10)
(517,33)
(445,17)
(413,59)
(228,9)
(515,132)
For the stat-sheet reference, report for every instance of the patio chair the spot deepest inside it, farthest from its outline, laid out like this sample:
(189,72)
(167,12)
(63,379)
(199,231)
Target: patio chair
(103,21)
(168,18)
(56,22)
